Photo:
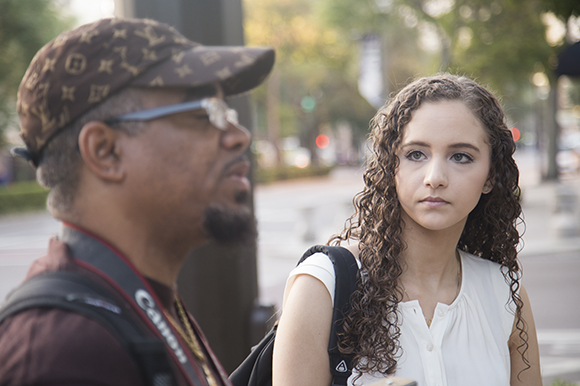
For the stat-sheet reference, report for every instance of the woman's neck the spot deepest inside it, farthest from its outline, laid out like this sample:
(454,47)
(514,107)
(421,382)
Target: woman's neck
(431,267)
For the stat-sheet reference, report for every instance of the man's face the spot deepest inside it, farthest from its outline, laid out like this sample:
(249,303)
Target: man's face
(188,178)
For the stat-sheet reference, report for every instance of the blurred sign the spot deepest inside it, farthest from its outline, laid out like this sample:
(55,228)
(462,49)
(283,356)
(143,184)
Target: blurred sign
(569,61)
(370,80)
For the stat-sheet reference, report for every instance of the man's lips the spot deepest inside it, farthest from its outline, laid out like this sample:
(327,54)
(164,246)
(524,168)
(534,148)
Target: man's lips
(238,171)
(434,201)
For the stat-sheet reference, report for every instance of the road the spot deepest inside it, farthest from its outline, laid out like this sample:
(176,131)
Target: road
(294,215)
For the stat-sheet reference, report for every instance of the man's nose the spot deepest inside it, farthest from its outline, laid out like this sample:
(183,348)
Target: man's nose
(236,137)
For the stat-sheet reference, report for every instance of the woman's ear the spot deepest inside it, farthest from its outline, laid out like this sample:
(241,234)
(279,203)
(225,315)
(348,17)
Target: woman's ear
(100,150)
(487,187)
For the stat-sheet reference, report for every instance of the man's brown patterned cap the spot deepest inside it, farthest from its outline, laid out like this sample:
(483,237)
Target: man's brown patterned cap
(82,67)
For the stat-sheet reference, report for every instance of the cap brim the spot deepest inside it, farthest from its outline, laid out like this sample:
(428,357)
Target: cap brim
(238,69)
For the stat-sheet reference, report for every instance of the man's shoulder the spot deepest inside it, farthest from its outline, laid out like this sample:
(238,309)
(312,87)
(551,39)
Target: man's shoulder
(56,346)
(58,258)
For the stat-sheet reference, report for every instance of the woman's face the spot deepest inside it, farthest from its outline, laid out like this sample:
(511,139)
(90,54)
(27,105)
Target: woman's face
(444,164)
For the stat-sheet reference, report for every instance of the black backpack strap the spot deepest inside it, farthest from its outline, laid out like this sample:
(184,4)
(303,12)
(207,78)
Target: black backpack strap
(76,293)
(346,270)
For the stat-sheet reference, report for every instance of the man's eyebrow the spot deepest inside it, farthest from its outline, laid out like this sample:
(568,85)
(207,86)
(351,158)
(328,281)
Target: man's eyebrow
(201,92)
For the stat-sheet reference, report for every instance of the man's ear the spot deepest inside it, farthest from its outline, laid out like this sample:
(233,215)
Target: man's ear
(100,149)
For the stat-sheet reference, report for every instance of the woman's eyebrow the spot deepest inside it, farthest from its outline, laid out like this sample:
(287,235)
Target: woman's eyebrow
(415,143)
(457,145)
(464,144)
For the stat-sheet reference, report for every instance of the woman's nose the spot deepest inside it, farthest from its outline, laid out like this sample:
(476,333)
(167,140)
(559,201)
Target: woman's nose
(436,174)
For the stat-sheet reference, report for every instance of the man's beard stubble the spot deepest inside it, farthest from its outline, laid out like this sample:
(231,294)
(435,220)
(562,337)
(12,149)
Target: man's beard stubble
(231,226)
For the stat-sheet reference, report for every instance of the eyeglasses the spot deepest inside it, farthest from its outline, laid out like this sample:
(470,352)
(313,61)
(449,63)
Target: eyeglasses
(218,111)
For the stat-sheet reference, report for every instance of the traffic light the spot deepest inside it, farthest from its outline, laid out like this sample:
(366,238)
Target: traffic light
(515,134)
(322,141)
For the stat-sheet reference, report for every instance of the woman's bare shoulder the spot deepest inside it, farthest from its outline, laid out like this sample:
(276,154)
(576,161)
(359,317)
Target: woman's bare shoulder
(353,248)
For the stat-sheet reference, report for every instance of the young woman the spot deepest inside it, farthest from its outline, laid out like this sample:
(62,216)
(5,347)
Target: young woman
(440,299)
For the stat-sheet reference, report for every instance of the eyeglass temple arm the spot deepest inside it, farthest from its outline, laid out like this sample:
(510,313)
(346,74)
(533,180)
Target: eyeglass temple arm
(158,112)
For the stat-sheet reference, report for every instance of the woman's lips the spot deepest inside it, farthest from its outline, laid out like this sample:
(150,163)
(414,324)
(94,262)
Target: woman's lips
(434,202)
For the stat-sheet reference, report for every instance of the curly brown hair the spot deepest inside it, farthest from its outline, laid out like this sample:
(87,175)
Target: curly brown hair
(371,329)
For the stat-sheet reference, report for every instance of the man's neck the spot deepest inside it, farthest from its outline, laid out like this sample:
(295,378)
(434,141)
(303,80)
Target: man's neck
(159,265)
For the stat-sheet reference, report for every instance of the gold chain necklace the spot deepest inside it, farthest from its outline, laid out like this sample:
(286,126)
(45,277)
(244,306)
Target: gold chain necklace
(191,340)
(430,320)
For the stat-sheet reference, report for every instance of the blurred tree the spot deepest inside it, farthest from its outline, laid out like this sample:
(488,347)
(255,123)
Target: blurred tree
(397,27)
(315,77)
(562,8)
(500,43)
(567,12)
(468,36)
(25,26)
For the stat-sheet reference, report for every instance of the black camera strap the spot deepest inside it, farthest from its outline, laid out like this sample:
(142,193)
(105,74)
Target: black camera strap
(119,272)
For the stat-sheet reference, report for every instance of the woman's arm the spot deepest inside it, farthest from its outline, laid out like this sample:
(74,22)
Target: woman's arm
(531,376)
(301,345)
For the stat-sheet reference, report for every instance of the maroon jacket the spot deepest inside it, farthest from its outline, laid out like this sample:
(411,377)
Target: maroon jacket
(57,347)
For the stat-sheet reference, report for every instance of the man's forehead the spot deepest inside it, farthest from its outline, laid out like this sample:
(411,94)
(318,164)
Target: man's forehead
(210,90)
(152,96)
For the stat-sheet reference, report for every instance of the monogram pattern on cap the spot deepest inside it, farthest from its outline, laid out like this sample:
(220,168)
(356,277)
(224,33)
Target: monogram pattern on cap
(224,73)
(183,71)
(178,57)
(150,34)
(32,81)
(210,58)
(82,67)
(98,93)
(149,54)
(158,81)
(23,108)
(87,36)
(49,65)
(75,64)
(68,93)
(119,33)
(106,66)
(64,116)
(124,64)
(244,60)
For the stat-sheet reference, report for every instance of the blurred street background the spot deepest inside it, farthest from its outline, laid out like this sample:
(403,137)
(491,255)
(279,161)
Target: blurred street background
(337,62)
(293,215)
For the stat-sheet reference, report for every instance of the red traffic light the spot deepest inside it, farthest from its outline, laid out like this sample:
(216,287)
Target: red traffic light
(515,134)
(322,141)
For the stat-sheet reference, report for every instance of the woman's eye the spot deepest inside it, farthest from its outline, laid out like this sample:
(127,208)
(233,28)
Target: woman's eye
(415,155)
(461,157)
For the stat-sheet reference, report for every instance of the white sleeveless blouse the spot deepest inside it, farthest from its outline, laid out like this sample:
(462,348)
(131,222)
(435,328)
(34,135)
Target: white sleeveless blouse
(467,343)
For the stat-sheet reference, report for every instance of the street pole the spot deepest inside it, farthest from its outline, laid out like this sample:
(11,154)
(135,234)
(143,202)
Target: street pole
(219,284)
(552,130)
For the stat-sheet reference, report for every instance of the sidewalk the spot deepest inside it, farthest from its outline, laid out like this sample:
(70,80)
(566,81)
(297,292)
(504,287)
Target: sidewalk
(294,215)
(547,230)
(290,211)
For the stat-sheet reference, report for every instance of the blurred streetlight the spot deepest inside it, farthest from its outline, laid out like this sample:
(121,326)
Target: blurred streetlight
(541,81)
